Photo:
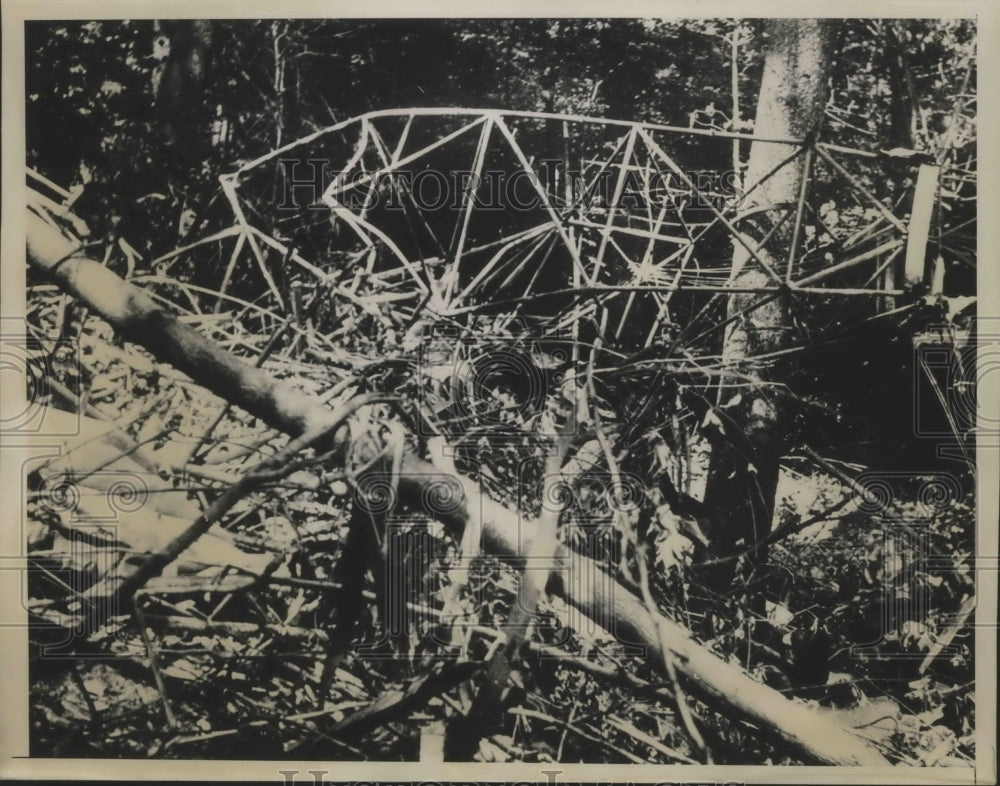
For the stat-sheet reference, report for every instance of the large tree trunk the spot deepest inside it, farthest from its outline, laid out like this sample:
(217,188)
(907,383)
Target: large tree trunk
(743,470)
(454,500)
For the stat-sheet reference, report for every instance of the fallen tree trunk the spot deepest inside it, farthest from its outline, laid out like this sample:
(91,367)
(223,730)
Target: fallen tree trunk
(454,500)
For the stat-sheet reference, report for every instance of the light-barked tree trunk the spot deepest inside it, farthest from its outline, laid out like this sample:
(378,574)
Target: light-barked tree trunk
(747,447)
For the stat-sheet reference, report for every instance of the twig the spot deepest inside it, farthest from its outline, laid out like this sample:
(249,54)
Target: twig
(846,479)
(394,703)
(668,661)
(214,735)
(967,607)
(773,537)
(526,713)
(615,673)
(95,715)
(646,739)
(236,629)
(275,467)
(440,453)
(616,480)
(154,664)
(572,715)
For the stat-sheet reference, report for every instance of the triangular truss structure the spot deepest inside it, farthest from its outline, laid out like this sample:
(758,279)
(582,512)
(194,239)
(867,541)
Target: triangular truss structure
(459,211)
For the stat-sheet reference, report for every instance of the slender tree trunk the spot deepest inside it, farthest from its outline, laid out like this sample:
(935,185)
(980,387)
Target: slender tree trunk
(743,471)
(182,106)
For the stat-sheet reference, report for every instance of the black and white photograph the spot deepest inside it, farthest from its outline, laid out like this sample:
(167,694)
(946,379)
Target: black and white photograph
(432,397)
